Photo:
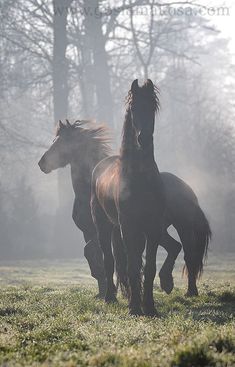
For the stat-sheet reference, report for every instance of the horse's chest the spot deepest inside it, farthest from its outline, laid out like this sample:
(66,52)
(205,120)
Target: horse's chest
(141,196)
(81,182)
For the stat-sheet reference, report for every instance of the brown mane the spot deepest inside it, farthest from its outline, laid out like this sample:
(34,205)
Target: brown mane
(97,133)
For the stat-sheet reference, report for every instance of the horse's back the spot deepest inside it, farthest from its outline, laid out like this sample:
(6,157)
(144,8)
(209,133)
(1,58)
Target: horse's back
(103,165)
(182,202)
(177,188)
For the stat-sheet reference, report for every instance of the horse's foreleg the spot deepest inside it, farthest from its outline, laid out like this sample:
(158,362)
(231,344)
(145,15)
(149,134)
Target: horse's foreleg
(173,249)
(134,243)
(154,234)
(149,275)
(94,255)
(92,251)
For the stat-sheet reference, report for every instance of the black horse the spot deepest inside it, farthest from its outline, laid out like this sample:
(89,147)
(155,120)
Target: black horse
(128,193)
(185,214)
(82,149)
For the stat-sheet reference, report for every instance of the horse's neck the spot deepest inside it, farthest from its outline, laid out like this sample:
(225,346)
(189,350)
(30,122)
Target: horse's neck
(134,158)
(82,166)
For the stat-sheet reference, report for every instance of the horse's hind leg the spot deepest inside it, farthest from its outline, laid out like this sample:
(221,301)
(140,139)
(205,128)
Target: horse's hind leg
(173,249)
(104,235)
(190,254)
(120,257)
(104,232)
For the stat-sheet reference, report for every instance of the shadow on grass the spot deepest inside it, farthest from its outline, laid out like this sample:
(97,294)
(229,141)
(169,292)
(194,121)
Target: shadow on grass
(193,356)
(212,306)
(10,311)
(214,351)
(227,297)
(117,360)
(219,309)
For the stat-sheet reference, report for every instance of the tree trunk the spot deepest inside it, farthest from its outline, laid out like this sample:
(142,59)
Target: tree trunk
(100,70)
(60,64)
(64,226)
(86,80)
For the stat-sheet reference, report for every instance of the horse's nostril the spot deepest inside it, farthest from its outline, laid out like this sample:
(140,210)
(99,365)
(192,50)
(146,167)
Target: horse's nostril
(42,164)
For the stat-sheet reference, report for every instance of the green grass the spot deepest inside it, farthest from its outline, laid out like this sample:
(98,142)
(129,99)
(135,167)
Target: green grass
(48,317)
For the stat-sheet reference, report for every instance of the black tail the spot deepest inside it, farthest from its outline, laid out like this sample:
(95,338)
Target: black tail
(120,257)
(201,236)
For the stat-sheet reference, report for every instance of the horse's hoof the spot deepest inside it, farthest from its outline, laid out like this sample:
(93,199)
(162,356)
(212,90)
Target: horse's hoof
(102,288)
(151,312)
(136,312)
(191,293)
(111,299)
(100,296)
(166,283)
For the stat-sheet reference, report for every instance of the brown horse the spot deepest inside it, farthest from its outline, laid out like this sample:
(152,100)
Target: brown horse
(127,192)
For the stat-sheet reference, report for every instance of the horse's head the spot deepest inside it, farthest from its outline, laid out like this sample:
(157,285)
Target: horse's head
(143,104)
(60,152)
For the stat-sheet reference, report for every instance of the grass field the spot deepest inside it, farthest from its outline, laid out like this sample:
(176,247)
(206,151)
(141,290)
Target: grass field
(48,317)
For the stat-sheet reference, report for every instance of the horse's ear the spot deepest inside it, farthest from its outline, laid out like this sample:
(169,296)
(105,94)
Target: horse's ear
(134,86)
(149,84)
(68,123)
(61,125)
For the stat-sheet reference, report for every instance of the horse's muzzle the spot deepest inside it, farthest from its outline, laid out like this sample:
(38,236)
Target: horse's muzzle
(43,166)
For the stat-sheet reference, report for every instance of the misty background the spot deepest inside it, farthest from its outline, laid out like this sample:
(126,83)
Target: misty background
(76,59)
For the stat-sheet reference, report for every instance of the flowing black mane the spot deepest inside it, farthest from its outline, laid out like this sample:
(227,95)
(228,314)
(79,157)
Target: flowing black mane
(130,99)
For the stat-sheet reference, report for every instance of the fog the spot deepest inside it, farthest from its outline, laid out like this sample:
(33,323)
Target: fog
(67,59)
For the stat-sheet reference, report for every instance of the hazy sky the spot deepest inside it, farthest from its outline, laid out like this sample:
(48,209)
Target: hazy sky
(226,23)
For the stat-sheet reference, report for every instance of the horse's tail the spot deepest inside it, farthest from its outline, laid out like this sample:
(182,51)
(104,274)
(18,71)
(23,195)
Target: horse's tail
(201,236)
(120,257)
